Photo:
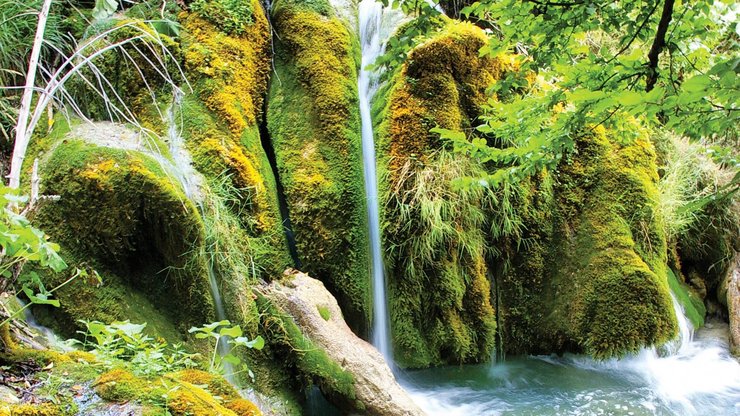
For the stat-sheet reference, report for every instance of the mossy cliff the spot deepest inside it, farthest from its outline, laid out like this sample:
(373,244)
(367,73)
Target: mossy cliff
(577,257)
(434,232)
(313,120)
(228,71)
(593,278)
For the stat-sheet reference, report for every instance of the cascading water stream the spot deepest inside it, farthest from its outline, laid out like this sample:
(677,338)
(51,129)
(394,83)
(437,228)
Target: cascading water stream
(192,184)
(372,16)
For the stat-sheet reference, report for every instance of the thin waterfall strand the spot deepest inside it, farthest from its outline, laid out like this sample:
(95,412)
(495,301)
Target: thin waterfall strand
(370,20)
(192,184)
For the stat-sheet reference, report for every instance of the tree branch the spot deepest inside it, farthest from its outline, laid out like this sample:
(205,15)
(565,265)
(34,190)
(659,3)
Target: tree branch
(634,35)
(658,44)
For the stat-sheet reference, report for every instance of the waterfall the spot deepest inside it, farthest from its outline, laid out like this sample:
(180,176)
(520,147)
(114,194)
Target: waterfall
(189,178)
(695,375)
(193,184)
(685,329)
(372,16)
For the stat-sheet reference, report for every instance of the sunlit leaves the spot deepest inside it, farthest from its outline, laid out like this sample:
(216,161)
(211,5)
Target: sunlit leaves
(590,60)
(126,343)
(223,333)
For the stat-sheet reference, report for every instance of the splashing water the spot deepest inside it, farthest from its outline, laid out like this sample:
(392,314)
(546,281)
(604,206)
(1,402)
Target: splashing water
(697,377)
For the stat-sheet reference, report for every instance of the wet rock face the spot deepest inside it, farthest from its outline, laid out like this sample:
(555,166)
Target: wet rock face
(317,314)
(731,289)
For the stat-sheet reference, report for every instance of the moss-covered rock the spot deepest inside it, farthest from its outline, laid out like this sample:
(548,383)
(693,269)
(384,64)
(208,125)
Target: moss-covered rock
(314,124)
(220,118)
(121,212)
(600,285)
(434,232)
(189,392)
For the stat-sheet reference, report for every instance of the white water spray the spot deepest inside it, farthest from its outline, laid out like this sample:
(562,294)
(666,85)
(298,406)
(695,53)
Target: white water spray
(372,17)
(693,375)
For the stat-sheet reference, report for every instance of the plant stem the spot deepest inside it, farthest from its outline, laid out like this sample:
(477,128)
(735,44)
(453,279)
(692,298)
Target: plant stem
(21,133)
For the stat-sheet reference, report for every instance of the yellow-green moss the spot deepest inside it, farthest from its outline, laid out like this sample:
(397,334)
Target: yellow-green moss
(187,392)
(313,120)
(43,409)
(8,343)
(243,407)
(229,74)
(441,309)
(118,385)
(120,213)
(214,384)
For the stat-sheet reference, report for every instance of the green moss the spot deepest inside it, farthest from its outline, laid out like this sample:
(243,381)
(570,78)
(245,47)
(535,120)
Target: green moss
(314,125)
(322,7)
(435,232)
(324,312)
(235,16)
(691,304)
(189,392)
(220,123)
(609,293)
(43,409)
(214,384)
(119,385)
(121,212)
(300,356)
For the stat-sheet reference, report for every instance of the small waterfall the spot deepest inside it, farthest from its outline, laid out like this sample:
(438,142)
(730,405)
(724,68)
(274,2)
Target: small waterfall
(193,185)
(189,178)
(685,330)
(371,20)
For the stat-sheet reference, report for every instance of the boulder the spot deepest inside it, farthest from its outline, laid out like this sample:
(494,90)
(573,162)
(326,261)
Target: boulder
(318,316)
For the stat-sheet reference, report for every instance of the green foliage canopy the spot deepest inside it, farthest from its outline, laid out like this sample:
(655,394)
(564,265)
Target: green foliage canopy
(672,64)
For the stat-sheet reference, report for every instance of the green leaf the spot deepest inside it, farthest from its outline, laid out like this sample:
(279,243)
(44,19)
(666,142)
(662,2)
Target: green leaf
(234,331)
(104,9)
(231,359)
(629,98)
(585,95)
(39,298)
(167,27)
(452,135)
(696,84)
